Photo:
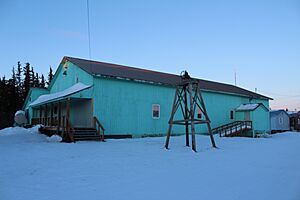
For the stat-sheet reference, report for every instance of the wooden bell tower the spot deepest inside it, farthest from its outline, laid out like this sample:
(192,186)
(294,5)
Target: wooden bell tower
(188,99)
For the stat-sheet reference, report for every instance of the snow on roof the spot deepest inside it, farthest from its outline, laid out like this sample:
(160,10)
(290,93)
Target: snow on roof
(245,107)
(291,112)
(69,91)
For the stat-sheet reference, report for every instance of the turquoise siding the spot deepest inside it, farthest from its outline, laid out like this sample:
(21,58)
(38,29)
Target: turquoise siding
(74,75)
(259,116)
(125,107)
(219,105)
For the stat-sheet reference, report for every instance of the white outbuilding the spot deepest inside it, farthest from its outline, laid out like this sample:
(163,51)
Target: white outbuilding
(280,121)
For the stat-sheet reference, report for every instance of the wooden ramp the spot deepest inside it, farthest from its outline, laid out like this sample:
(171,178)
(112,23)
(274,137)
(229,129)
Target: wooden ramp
(237,128)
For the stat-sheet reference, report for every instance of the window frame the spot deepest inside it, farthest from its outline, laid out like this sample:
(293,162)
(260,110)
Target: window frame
(153,106)
(231,114)
(280,119)
(199,113)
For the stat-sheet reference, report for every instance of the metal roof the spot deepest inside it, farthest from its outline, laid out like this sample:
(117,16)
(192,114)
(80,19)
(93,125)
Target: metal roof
(47,98)
(277,112)
(138,74)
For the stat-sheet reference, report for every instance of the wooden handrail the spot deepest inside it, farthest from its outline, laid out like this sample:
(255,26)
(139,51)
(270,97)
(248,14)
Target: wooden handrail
(99,127)
(232,126)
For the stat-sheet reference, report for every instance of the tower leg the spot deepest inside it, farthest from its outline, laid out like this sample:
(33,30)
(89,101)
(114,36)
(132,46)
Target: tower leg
(186,117)
(171,119)
(192,117)
(206,117)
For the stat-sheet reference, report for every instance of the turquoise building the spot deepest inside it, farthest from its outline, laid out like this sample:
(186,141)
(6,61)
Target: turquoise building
(133,102)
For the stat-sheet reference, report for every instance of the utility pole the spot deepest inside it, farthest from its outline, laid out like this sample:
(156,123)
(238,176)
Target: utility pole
(88,22)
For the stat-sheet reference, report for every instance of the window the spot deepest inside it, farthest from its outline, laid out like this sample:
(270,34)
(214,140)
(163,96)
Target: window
(155,111)
(280,120)
(231,114)
(199,114)
(298,121)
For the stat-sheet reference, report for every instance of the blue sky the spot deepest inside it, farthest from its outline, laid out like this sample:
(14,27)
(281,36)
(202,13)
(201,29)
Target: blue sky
(258,39)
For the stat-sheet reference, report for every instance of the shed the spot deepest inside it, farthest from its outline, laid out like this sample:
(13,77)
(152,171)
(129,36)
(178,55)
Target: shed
(279,120)
(295,121)
(255,112)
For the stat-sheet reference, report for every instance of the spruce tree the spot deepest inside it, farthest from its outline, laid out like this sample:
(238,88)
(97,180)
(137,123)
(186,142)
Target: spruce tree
(36,82)
(19,82)
(50,76)
(42,84)
(27,78)
(32,77)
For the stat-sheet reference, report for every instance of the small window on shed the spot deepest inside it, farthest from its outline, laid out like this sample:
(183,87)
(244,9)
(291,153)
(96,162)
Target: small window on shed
(298,121)
(199,114)
(155,111)
(280,120)
(231,114)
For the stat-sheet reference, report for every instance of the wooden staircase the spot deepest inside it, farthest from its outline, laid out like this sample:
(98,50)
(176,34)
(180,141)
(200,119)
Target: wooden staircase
(86,134)
(237,128)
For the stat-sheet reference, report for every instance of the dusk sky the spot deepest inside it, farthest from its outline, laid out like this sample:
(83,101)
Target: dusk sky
(258,39)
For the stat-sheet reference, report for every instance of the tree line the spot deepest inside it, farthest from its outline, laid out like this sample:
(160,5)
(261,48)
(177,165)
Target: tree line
(14,90)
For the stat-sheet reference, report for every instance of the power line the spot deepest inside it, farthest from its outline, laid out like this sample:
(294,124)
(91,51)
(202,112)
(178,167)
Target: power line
(88,20)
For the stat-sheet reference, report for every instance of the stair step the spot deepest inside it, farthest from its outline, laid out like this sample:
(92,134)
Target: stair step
(86,133)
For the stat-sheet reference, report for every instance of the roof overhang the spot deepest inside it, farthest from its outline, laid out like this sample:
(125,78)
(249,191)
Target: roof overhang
(250,107)
(48,98)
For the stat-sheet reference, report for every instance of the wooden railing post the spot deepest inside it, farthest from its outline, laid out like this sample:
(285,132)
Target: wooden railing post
(98,126)
(68,117)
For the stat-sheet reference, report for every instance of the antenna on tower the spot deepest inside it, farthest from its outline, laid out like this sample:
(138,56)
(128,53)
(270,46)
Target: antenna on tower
(88,21)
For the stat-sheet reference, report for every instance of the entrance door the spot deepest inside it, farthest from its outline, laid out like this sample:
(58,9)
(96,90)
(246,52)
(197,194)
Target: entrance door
(247,116)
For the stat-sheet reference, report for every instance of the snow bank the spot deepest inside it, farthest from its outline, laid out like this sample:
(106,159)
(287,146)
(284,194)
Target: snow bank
(21,135)
(240,169)
(54,138)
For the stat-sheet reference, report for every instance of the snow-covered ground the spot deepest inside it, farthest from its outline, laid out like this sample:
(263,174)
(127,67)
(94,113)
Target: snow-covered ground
(31,167)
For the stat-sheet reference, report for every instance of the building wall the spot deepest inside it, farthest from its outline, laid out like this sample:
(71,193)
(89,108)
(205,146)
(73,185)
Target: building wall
(125,107)
(260,120)
(81,112)
(282,124)
(74,75)
(62,82)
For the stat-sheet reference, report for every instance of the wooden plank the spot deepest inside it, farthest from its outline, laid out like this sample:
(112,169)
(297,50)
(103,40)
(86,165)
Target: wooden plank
(192,117)
(59,117)
(186,116)
(51,115)
(68,118)
(46,115)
